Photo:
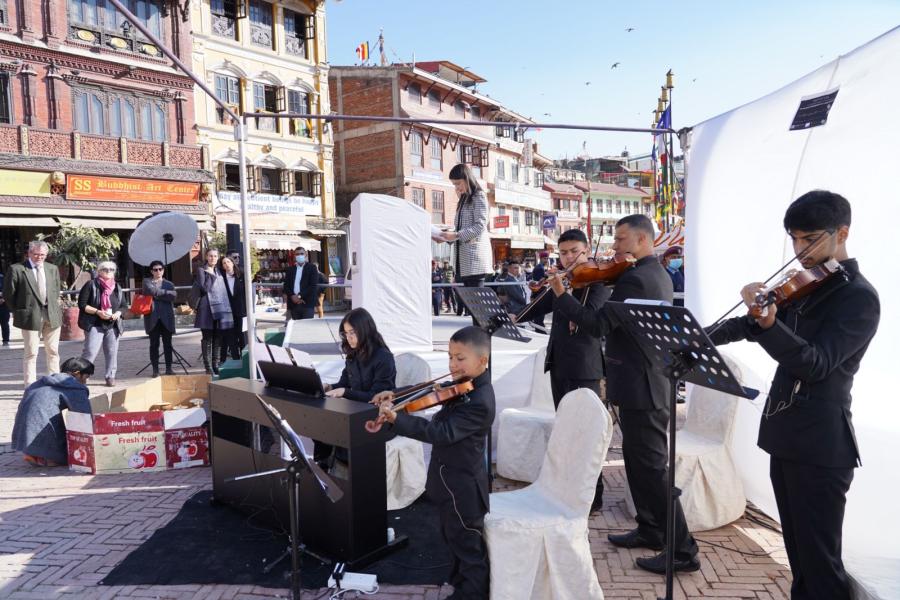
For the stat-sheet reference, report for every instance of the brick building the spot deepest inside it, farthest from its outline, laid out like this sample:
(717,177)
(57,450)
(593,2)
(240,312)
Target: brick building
(605,203)
(96,127)
(413,161)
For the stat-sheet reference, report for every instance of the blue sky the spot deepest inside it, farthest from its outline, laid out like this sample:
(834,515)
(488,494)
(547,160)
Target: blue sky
(723,53)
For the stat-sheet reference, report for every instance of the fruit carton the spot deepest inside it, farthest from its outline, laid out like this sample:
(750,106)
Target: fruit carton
(151,426)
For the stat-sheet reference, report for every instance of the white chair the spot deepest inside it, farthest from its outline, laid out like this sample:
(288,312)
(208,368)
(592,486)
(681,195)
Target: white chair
(523,433)
(712,494)
(537,537)
(405,457)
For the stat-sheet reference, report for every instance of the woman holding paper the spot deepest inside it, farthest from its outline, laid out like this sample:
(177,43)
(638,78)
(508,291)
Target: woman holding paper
(473,245)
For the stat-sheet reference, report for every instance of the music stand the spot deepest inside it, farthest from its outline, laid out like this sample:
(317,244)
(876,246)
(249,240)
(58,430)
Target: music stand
(490,316)
(299,463)
(673,343)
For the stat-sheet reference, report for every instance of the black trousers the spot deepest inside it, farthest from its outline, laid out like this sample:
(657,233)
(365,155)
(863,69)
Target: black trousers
(645,450)
(464,536)
(811,501)
(158,332)
(4,321)
(559,387)
(436,302)
(231,343)
(471,281)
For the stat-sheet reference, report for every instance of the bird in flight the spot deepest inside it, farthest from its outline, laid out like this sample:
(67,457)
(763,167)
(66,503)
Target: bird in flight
(629,29)
(587,83)
(615,65)
(547,115)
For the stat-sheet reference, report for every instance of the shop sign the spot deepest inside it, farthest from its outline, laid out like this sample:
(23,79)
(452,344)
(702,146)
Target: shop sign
(272,203)
(24,183)
(117,189)
(501,222)
(548,221)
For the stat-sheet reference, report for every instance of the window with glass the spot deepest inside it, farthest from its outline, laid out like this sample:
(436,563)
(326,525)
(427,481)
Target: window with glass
(538,179)
(618,206)
(228,90)
(515,219)
(434,99)
(308,183)
(264,97)
(262,29)
(298,29)
(268,181)
(90,113)
(529,218)
(299,103)
(476,113)
(609,207)
(415,93)
(459,108)
(5,98)
(437,154)
(224,15)
(514,172)
(437,207)
(501,210)
(122,117)
(120,114)
(415,148)
(501,169)
(228,176)
(418,197)
(103,15)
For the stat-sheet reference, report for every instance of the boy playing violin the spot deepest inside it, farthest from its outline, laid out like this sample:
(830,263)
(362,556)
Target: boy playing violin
(818,342)
(457,476)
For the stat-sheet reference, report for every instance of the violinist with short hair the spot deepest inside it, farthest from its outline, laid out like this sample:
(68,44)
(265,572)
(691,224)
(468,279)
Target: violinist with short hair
(818,342)
(641,394)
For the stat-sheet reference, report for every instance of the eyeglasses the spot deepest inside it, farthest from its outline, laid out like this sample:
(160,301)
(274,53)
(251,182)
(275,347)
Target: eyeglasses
(157,269)
(108,270)
(346,334)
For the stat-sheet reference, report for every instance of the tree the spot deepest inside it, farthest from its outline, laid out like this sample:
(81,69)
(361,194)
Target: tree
(76,247)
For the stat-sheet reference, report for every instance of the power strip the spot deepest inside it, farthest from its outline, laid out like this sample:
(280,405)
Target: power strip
(360,582)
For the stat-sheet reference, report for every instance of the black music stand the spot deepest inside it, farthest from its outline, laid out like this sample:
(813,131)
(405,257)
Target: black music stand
(675,344)
(489,315)
(299,464)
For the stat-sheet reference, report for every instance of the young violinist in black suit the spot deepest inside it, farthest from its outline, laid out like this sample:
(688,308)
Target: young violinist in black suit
(818,342)
(457,475)
(574,356)
(641,395)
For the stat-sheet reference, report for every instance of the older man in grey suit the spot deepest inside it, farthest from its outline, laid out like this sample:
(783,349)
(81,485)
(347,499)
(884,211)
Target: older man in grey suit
(31,290)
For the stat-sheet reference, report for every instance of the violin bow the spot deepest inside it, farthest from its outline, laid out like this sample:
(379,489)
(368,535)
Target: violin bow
(417,388)
(718,322)
(543,293)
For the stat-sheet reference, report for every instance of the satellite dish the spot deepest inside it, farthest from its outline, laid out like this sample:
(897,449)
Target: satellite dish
(164,236)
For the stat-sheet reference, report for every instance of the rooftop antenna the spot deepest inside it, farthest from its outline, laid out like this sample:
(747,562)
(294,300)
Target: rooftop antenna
(381,48)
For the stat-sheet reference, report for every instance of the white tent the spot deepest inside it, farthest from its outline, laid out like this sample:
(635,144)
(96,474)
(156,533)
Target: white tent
(744,168)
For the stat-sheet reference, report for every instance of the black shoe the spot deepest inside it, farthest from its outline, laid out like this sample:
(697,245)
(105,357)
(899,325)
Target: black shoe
(633,539)
(169,371)
(657,564)
(597,504)
(155,373)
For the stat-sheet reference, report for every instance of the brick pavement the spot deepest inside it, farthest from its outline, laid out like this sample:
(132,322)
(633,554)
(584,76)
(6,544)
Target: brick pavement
(61,533)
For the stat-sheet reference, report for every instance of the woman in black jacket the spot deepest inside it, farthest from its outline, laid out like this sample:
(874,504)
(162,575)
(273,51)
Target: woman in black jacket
(160,323)
(233,339)
(100,304)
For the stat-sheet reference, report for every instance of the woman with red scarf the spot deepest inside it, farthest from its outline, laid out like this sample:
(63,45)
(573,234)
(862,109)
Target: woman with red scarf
(101,303)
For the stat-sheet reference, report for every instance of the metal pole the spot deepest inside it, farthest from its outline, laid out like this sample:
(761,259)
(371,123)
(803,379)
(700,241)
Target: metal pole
(240,132)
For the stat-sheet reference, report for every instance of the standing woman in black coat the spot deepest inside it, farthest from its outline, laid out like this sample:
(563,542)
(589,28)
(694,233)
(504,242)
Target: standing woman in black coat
(101,303)
(232,340)
(160,323)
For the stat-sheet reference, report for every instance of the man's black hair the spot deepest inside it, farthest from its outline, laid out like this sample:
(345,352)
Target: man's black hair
(817,210)
(638,222)
(76,364)
(572,235)
(475,338)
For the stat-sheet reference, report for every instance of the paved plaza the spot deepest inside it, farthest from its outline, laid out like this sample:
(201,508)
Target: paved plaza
(61,532)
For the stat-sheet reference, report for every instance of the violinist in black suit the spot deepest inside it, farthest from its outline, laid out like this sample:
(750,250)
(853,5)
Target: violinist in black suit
(301,286)
(818,342)
(641,395)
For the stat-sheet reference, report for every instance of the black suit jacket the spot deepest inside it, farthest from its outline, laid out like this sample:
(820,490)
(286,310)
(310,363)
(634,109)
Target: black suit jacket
(309,287)
(630,383)
(458,435)
(576,355)
(512,296)
(818,343)
(362,380)
(238,301)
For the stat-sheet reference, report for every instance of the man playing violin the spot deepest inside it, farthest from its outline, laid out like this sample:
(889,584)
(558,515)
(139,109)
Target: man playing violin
(818,342)
(574,356)
(457,475)
(641,395)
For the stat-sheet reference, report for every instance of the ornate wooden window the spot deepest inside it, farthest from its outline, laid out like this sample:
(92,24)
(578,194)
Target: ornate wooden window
(262,28)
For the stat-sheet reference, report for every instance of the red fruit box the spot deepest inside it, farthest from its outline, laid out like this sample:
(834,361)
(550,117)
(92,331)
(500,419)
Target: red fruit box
(128,430)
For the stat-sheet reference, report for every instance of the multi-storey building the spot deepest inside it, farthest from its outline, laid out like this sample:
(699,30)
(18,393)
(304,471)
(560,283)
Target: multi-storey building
(413,161)
(263,56)
(566,199)
(95,123)
(604,203)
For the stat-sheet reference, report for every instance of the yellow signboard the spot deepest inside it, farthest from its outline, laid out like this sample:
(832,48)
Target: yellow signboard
(24,183)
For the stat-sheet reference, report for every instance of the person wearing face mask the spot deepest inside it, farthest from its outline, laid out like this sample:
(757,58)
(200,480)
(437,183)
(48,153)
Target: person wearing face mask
(673,261)
(301,287)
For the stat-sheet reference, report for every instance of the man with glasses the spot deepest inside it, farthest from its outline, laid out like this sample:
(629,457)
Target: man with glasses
(31,290)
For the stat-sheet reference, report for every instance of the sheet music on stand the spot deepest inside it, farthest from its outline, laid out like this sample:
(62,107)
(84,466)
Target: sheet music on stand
(489,313)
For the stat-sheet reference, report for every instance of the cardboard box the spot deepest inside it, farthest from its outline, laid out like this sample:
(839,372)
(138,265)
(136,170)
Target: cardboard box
(128,431)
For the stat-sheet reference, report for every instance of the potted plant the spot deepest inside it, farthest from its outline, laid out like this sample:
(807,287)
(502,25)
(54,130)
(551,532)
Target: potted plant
(75,249)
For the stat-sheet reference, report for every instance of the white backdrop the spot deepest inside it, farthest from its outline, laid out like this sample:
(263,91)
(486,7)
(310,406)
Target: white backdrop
(744,168)
(390,260)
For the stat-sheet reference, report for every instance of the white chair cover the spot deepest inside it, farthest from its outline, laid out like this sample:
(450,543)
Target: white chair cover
(405,457)
(537,537)
(712,494)
(523,433)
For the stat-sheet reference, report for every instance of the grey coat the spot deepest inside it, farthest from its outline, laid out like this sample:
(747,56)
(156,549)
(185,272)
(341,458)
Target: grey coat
(473,247)
(199,298)
(163,294)
(39,429)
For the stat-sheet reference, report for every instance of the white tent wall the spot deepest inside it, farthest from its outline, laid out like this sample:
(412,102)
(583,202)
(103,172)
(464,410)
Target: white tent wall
(390,256)
(744,168)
